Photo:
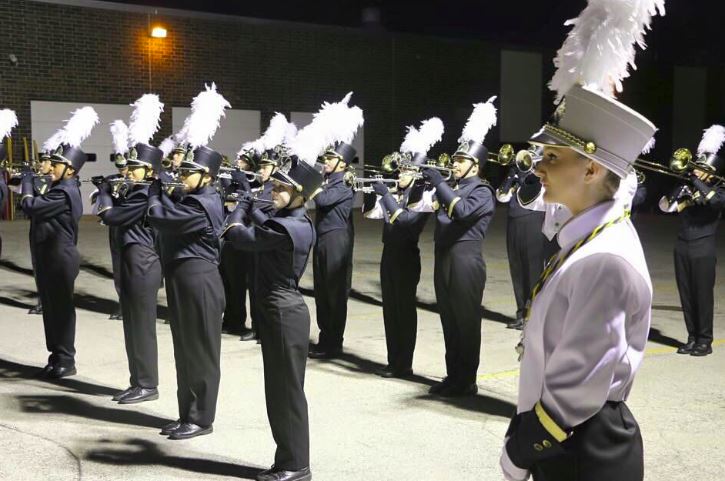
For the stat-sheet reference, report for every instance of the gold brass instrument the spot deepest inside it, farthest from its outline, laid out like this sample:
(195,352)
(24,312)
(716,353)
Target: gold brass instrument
(393,163)
(527,158)
(226,173)
(504,157)
(364,184)
(683,162)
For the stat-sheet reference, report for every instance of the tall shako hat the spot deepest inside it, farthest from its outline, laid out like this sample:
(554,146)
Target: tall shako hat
(77,129)
(144,124)
(207,110)
(341,124)
(8,121)
(470,143)
(418,141)
(591,65)
(711,151)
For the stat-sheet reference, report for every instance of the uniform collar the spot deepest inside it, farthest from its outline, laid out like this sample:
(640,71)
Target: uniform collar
(586,221)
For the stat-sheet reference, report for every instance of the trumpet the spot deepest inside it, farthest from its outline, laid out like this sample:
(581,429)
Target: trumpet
(237,196)
(527,158)
(504,156)
(226,173)
(364,184)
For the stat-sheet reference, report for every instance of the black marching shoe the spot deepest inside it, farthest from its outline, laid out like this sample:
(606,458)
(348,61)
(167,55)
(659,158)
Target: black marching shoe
(686,348)
(62,371)
(139,395)
(45,372)
(248,335)
(36,309)
(121,394)
(190,430)
(701,350)
(389,372)
(518,324)
(322,352)
(116,316)
(274,474)
(459,390)
(167,429)
(439,387)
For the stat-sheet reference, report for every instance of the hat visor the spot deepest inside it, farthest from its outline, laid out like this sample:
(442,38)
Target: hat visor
(543,138)
(186,165)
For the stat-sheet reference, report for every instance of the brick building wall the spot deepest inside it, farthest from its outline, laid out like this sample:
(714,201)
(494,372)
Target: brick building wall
(73,53)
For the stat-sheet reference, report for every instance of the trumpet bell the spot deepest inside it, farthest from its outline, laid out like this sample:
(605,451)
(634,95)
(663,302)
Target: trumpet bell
(506,154)
(444,161)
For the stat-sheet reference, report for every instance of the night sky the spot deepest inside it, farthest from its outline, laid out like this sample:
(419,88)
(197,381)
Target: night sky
(691,33)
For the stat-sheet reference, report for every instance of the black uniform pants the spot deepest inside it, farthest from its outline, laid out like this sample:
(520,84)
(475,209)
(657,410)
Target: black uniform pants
(255,309)
(233,266)
(196,300)
(525,249)
(140,281)
(34,264)
(285,332)
(695,262)
(332,275)
(606,447)
(459,277)
(114,242)
(399,276)
(57,268)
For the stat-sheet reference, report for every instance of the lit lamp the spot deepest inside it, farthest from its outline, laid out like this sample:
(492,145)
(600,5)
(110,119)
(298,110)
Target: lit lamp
(158,32)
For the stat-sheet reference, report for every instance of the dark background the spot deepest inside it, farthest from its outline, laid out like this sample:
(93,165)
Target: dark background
(405,60)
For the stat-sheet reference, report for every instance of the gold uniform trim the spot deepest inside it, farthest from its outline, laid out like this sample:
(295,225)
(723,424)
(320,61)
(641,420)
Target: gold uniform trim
(395,215)
(710,195)
(549,424)
(453,204)
(586,145)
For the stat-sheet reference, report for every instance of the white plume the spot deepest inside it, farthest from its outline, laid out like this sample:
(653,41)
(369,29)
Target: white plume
(79,127)
(480,122)
(53,142)
(119,132)
(167,145)
(275,133)
(339,121)
(207,110)
(419,141)
(145,119)
(712,140)
(8,121)
(290,133)
(256,145)
(600,47)
(650,145)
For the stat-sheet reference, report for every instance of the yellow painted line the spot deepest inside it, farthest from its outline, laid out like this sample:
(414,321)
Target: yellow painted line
(653,351)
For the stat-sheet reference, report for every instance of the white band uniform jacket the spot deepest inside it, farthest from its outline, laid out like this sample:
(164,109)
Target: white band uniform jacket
(588,326)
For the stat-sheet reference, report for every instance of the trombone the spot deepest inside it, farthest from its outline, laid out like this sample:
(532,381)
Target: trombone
(504,156)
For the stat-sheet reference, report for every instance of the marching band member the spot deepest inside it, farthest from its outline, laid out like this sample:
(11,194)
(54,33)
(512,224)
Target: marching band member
(283,243)
(460,271)
(400,261)
(140,268)
(587,325)
(699,205)
(525,243)
(55,217)
(188,232)
(332,255)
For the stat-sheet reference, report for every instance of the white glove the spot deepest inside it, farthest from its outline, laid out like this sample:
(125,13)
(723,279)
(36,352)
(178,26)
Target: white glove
(510,471)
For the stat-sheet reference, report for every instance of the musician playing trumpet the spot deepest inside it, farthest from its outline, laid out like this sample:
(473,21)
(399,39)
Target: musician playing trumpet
(699,202)
(400,262)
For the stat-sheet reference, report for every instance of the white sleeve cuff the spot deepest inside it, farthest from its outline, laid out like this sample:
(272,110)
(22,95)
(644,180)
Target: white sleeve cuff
(510,471)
